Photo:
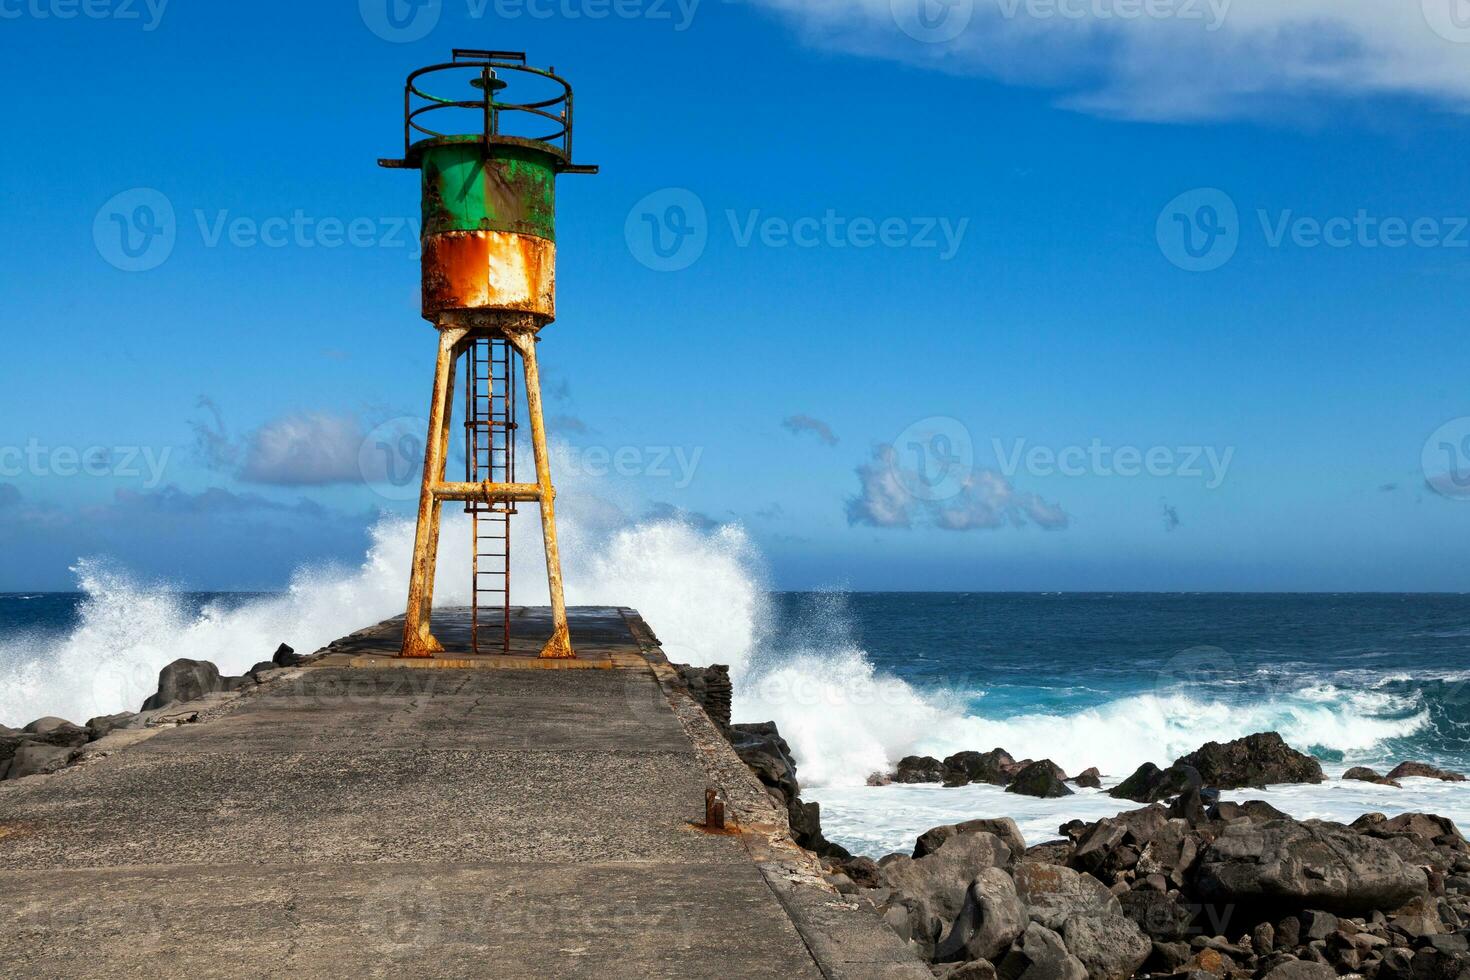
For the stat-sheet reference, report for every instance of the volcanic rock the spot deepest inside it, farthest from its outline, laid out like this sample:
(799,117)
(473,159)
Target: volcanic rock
(1405,769)
(1254,761)
(1150,784)
(37,758)
(184,680)
(991,918)
(1052,893)
(1363,774)
(1003,827)
(1040,779)
(991,767)
(287,657)
(933,888)
(1286,866)
(107,724)
(1040,954)
(919,769)
(1089,779)
(1110,947)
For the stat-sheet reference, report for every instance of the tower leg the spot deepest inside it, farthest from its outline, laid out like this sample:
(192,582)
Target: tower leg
(418,637)
(559,647)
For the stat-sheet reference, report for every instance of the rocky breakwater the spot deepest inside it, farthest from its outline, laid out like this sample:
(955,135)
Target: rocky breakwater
(48,745)
(1187,887)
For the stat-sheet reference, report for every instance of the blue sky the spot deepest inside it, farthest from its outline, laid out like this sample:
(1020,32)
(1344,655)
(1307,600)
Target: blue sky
(979,295)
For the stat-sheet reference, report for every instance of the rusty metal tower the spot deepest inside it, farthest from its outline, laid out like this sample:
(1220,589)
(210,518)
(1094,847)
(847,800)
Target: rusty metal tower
(490,142)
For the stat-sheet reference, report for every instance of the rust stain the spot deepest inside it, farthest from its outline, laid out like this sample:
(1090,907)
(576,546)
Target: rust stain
(489,270)
(732,829)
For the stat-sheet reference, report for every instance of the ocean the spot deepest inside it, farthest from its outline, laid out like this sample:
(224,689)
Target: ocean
(858,680)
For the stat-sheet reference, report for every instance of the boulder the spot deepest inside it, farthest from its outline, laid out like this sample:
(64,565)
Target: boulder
(933,888)
(1052,893)
(1256,811)
(1426,771)
(37,758)
(761,747)
(286,657)
(1150,784)
(1109,947)
(1040,779)
(1040,954)
(1162,916)
(1088,778)
(978,970)
(65,735)
(261,669)
(1302,970)
(919,769)
(1171,852)
(1254,761)
(1363,774)
(44,726)
(863,872)
(964,768)
(1283,866)
(105,725)
(990,920)
(184,680)
(1003,827)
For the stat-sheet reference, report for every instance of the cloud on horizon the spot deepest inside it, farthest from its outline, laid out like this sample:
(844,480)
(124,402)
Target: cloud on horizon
(892,497)
(1207,59)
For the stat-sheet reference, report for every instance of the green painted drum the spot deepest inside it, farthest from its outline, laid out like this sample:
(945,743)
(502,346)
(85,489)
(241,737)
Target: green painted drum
(513,189)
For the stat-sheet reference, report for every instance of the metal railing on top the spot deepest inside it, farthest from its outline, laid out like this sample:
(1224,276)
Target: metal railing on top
(544,123)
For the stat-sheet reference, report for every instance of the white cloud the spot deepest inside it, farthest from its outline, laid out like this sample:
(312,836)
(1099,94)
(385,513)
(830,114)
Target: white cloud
(983,501)
(1166,59)
(313,449)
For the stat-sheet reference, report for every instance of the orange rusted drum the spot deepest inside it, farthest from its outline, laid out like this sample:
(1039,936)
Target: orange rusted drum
(489,270)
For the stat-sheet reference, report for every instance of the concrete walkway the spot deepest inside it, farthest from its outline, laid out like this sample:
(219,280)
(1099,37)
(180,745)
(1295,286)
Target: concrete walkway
(492,818)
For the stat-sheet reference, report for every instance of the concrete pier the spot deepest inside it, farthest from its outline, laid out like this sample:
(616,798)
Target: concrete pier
(476,817)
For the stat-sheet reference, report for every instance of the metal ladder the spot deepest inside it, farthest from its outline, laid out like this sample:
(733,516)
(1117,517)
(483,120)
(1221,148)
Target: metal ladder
(490,429)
